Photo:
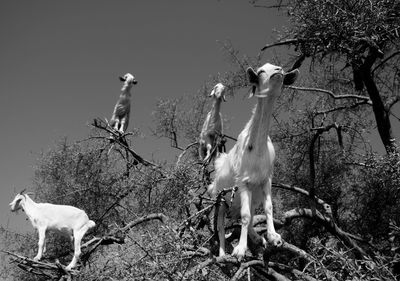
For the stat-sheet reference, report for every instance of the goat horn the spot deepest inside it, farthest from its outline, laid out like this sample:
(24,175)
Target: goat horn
(22,191)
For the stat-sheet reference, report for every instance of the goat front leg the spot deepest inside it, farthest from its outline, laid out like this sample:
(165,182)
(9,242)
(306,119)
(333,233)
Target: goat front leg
(208,153)
(272,236)
(115,124)
(221,228)
(255,240)
(245,213)
(42,234)
(123,125)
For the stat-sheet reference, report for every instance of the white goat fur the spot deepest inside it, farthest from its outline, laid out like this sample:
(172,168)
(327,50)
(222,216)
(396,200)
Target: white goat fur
(120,117)
(249,164)
(68,220)
(213,125)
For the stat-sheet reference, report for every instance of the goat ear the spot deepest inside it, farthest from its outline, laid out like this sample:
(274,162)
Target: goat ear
(290,77)
(213,91)
(252,91)
(252,75)
(121,78)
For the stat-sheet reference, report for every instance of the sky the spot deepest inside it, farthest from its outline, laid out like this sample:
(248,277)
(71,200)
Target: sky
(60,62)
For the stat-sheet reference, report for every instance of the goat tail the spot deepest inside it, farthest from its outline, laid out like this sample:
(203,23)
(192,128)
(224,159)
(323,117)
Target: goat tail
(90,224)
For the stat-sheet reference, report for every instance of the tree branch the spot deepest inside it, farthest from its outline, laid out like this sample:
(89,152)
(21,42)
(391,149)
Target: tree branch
(322,112)
(328,223)
(299,190)
(384,61)
(161,217)
(280,43)
(296,272)
(100,124)
(330,93)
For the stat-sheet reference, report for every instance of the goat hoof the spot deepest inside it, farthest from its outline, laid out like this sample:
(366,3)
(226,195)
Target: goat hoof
(275,239)
(36,258)
(239,251)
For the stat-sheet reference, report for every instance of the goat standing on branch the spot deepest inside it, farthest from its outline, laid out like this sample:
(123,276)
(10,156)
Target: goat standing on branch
(249,164)
(68,220)
(212,127)
(120,117)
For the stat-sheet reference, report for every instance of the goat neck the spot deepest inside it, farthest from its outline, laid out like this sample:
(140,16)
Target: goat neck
(126,89)
(216,107)
(29,206)
(259,125)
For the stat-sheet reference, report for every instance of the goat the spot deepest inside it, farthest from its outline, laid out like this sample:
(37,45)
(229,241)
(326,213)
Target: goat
(120,117)
(249,164)
(67,220)
(213,126)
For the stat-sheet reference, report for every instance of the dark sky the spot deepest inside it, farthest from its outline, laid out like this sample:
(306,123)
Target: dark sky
(59,63)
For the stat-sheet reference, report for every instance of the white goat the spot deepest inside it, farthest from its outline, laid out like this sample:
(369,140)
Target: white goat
(68,220)
(249,164)
(213,126)
(120,117)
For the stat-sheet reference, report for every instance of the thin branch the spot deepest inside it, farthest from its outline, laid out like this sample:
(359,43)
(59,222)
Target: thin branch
(384,61)
(280,43)
(229,137)
(319,131)
(330,93)
(299,190)
(161,217)
(323,112)
(184,151)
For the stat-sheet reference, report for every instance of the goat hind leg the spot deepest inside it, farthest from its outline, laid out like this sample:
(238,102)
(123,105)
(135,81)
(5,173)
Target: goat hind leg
(78,235)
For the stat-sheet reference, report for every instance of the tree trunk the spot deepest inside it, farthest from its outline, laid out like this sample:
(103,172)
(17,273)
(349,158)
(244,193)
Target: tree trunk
(381,113)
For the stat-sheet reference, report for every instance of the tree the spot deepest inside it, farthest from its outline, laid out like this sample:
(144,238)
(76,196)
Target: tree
(362,37)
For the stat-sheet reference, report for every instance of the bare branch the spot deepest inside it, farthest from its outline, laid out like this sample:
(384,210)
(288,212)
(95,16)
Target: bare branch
(322,112)
(184,151)
(161,217)
(48,270)
(384,61)
(280,43)
(328,223)
(298,190)
(330,93)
